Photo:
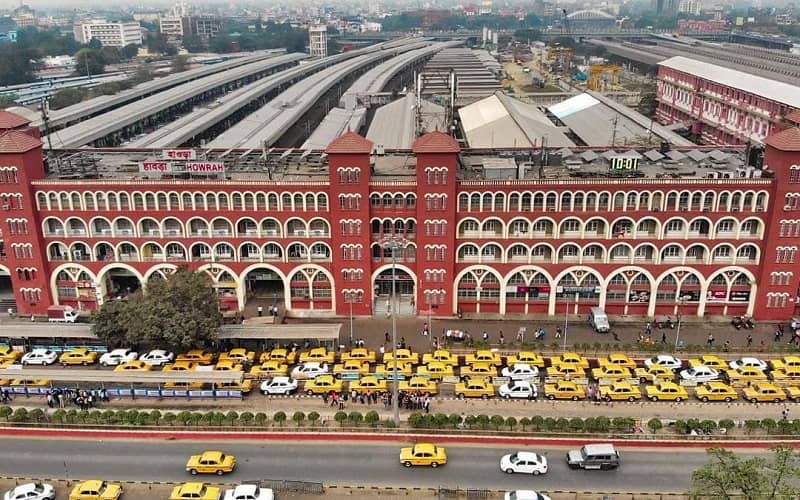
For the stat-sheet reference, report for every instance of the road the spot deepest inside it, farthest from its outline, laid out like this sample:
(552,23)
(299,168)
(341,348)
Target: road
(368,464)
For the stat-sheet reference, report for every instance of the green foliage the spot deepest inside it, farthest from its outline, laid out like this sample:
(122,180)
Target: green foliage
(728,475)
(6,411)
(768,424)
(36,415)
(562,424)
(157,44)
(129,51)
(169,418)
(537,421)
(440,420)
(654,424)
(67,97)
(260,418)
(131,417)
(372,418)
(471,421)
(497,421)
(20,415)
(355,418)
(483,421)
(194,44)
(231,417)
(524,422)
(340,417)
(16,64)
(622,424)
(91,60)
(454,419)
(313,417)
(511,422)
(298,418)
(143,419)
(184,417)
(708,426)
(246,418)
(576,424)
(279,417)
(155,417)
(180,312)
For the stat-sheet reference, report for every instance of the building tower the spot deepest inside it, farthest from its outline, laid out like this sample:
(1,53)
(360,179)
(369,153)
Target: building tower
(318,41)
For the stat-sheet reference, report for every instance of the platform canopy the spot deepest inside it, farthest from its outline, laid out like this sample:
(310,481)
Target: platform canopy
(119,378)
(321,332)
(46,331)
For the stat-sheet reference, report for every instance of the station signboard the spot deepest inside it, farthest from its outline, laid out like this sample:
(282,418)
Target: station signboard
(178,154)
(155,167)
(205,167)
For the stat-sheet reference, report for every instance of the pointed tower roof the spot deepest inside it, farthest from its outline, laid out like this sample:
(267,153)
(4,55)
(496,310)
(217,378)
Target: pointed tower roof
(349,143)
(15,141)
(786,140)
(794,116)
(436,142)
(10,120)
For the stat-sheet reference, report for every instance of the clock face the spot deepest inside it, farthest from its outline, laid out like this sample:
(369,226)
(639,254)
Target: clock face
(624,163)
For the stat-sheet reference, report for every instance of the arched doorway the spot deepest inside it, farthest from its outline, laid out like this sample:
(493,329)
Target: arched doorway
(404,289)
(119,281)
(264,286)
(7,301)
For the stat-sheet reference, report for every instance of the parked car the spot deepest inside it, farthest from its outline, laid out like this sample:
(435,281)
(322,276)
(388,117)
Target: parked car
(157,357)
(670,362)
(118,356)
(31,491)
(525,495)
(309,370)
(699,374)
(716,391)
(521,371)
(517,389)
(748,362)
(39,357)
(96,489)
(78,356)
(524,462)
(279,385)
(195,491)
(666,391)
(249,492)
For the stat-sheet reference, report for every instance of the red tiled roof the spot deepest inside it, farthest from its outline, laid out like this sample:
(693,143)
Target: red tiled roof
(436,142)
(794,116)
(786,140)
(10,120)
(14,141)
(349,143)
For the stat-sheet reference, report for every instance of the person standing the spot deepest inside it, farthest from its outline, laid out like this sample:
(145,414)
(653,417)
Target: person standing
(749,339)
(502,338)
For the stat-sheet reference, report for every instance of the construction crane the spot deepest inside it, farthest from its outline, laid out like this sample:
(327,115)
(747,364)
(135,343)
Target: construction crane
(602,76)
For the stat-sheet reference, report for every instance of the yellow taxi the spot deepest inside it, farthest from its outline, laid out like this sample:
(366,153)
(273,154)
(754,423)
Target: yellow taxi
(388,369)
(610,371)
(484,356)
(195,491)
(360,354)
(666,391)
(715,391)
(368,384)
(426,454)
(6,363)
(269,368)
(245,386)
(793,393)
(564,389)
(654,373)
(323,384)
(442,356)
(526,357)
(405,355)
(239,355)
(7,353)
(96,490)
(745,374)
(436,370)
(228,365)
(180,366)
(617,359)
(198,356)
(318,354)
(566,370)
(762,392)
(351,366)
(570,358)
(78,356)
(27,382)
(211,462)
(279,354)
(777,364)
(786,373)
(474,388)
(419,384)
(711,361)
(620,391)
(133,366)
(189,386)
(479,370)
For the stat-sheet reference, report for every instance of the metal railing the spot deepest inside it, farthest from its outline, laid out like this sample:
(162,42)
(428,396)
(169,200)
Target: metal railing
(287,485)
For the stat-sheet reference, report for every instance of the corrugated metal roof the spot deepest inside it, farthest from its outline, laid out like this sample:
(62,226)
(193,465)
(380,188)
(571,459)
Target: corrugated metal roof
(760,86)
(393,125)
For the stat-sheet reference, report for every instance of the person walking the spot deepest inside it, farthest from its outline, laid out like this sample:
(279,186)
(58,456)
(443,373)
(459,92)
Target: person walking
(710,339)
(749,339)
(502,338)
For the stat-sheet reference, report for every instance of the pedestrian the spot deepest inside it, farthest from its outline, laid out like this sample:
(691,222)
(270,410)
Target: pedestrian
(51,402)
(260,311)
(727,346)
(386,337)
(502,338)
(325,398)
(485,336)
(710,339)
(412,303)
(428,405)
(648,328)
(382,350)
(785,414)
(777,335)
(663,337)
(761,346)
(749,339)
(558,332)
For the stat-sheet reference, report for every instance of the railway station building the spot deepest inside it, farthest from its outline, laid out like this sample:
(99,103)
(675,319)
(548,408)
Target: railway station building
(696,231)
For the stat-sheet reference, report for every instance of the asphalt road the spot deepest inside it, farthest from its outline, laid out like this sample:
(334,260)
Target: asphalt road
(469,466)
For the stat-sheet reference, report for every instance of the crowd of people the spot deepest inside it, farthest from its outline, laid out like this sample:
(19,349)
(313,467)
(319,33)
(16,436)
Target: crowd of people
(85,400)
(408,401)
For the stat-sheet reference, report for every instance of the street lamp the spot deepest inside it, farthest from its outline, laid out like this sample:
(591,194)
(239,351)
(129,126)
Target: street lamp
(349,297)
(681,302)
(566,316)
(394,244)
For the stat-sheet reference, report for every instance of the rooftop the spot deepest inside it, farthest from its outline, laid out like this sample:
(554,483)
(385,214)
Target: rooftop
(787,140)
(11,120)
(764,87)
(349,143)
(436,142)
(394,125)
(15,141)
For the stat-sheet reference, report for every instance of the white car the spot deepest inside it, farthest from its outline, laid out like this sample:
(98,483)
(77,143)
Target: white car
(525,495)
(670,362)
(518,389)
(279,385)
(39,357)
(738,363)
(700,374)
(249,492)
(309,370)
(521,371)
(157,357)
(31,491)
(117,357)
(524,462)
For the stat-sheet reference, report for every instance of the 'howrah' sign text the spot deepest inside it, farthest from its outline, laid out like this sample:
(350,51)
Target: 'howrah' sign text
(205,167)
(155,167)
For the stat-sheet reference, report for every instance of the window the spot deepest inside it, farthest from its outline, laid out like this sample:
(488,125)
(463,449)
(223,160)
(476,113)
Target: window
(725,226)
(794,174)
(674,226)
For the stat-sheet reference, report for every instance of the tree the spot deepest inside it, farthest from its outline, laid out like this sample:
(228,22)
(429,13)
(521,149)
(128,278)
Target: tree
(654,424)
(67,97)
(511,422)
(193,44)
(129,51)
(95,44)
(372,418)
(524,422)
(180,63)
(313,417)
(340,417)
(497,421)
(355,418)
(90,60)
(730,476)
(221,44)
(17,64)
(180,312)
(157,44)
(246,418)
(298,418)
(279,417)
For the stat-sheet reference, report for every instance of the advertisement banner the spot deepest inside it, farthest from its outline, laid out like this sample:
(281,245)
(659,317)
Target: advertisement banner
(179,154)
(205,167)
(716,295)
(690,296)
(155,167)
(739,296)
(639,296)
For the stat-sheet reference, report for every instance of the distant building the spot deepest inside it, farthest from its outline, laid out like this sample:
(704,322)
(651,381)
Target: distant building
(485,8)
(24,16)
(694,25)
(690,6)
(178,23)
(110,34)
(318,41)
(8,36)
(205,26)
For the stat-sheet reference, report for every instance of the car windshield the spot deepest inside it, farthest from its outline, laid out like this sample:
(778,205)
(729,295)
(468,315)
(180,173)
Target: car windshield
(513,458)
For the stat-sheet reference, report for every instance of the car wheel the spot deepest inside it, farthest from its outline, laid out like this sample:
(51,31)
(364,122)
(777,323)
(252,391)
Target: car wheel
(485,396)
(407,464)
(632,399)
(753,400)
(654,398)
(193,472)
(536,472)
(551,397)
(461,396)
(575,398)
(678,399)
(509,471)
(434,465)
(776,400)
(104,363)
(507,396)
(310,392)
(727,399)
(220,472)
(704,399)
(85,363)
(25,363)
(265,393)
